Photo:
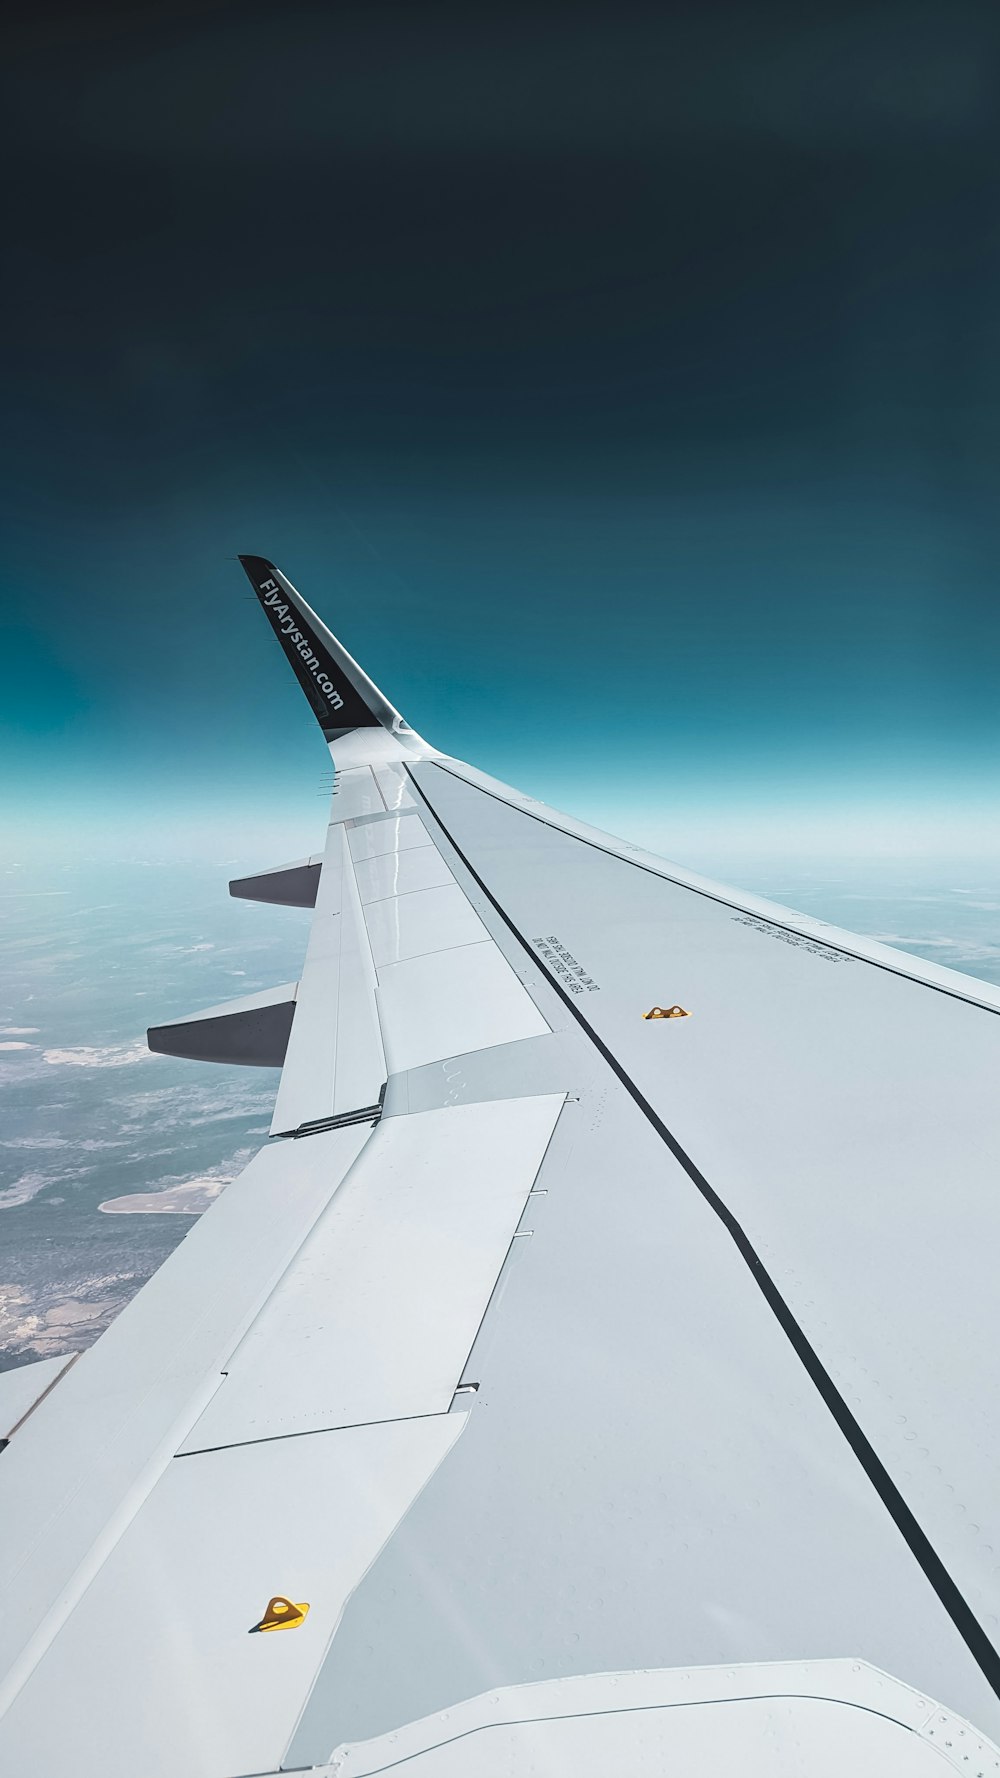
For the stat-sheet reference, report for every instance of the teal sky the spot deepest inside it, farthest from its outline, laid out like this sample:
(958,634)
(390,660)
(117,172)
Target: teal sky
(622,392)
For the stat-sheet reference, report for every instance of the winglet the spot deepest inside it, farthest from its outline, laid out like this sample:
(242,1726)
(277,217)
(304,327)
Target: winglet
(341,696)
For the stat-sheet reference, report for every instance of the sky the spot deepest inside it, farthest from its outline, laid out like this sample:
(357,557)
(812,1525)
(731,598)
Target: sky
(620,385)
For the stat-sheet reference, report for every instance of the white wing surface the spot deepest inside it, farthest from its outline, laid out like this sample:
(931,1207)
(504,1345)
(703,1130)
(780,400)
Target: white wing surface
(572,1389)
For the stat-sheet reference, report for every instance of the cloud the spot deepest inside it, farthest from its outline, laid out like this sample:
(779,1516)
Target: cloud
(17,1046)
(33,894)
(963,950)
(184,1197)
(24,1189)
(189,1199)
(166,1110)
(87,1144)
(47,1322)
(18,1030)
(115,1055)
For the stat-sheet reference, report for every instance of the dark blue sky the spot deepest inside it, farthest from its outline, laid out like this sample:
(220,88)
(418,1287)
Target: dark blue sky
(620,384)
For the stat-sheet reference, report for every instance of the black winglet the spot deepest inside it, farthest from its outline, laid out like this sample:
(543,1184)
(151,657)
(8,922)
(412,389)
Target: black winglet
(340,695)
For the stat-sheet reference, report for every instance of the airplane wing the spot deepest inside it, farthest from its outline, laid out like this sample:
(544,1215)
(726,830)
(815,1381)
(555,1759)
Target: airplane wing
(596,1372)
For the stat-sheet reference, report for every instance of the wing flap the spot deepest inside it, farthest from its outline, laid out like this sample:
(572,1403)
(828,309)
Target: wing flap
(400,834)
(378,1314)
(401,873)
(449,1002)
(157,1672)
(127,1403)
